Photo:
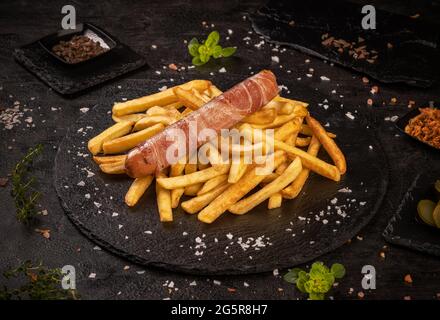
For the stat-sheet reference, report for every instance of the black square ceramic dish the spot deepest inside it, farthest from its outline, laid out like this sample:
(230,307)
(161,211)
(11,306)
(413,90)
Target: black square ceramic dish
(404,228)
(403,121)
(84,29)
(38,58)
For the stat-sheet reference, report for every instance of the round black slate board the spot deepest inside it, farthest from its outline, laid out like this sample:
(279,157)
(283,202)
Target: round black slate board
(259,241)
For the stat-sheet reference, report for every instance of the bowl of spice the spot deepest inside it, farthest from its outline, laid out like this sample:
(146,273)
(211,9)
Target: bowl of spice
(75,46)
(422,124)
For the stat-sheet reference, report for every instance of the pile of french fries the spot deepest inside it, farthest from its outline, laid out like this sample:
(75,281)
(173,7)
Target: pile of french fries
(217,187)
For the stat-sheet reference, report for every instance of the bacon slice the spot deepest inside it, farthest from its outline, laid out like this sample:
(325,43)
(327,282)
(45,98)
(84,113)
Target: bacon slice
(222,112)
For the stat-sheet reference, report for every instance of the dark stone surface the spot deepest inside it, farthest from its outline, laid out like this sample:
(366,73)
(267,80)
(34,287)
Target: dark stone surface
(413,59)
(284,239)
(139,25)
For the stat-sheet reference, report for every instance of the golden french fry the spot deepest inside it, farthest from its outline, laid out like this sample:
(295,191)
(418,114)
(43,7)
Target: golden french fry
(192,178)
(303,142)
(245,205)
(164,111)
(263,116)
(201,166)
(238,190)
(115,131)
(163,197)
(176,194)
(297,122)
(196,204)
(109,159)
(305,130)
(188,99)
(113,167)
(286,108)
(162,98)
(129,117)
(150,121)
(158,111)
(137,189)
(282,167)
(275,201)
(175,105)
(176,170)
(186,112)
(317,165)
(202,97)
(214,91)
(299,111)
(130,141)
(212,184)
(281,134)
(192,189)
(294,102)
(238,169)
(329,144)
(296,186)
(269,178)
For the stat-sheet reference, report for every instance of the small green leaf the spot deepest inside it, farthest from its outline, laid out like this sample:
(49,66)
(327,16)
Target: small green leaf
(330,279)
(338,270)
(213,39)
(318,268)
(292,276)
(228,51)
(194,49)
(204,58)
(196,61)
(193,41)
(316,296)
(217,51)
(300,285)
(303,275)
(203,49)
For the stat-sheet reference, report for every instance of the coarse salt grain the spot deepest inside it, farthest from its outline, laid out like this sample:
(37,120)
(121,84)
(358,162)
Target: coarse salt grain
(350,115)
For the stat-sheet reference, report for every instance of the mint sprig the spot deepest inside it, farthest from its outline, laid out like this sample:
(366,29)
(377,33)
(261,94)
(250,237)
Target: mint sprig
(318,281)
(202,52)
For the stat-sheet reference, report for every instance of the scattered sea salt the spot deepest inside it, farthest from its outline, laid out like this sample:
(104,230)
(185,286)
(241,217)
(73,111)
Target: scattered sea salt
(349,115)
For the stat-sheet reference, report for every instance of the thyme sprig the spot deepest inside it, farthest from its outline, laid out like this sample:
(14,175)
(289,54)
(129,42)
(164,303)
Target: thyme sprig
(25,196)
(42,284)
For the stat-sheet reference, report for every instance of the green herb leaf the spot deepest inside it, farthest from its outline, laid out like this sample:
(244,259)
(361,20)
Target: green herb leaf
(213,39)
(292,276)
(316,296)
(300,285)
(194,49)
(208,48)
(318,281)
(25,197)
(338,270)
(196,61)
(217,52)
(228,51)
(204,58)
(40,283)
(193,41)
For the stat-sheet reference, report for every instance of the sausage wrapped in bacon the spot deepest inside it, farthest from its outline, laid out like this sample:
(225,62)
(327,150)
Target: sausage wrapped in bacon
(222,112)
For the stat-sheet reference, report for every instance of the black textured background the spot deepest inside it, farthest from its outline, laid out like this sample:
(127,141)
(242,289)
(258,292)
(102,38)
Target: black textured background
(140,24)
